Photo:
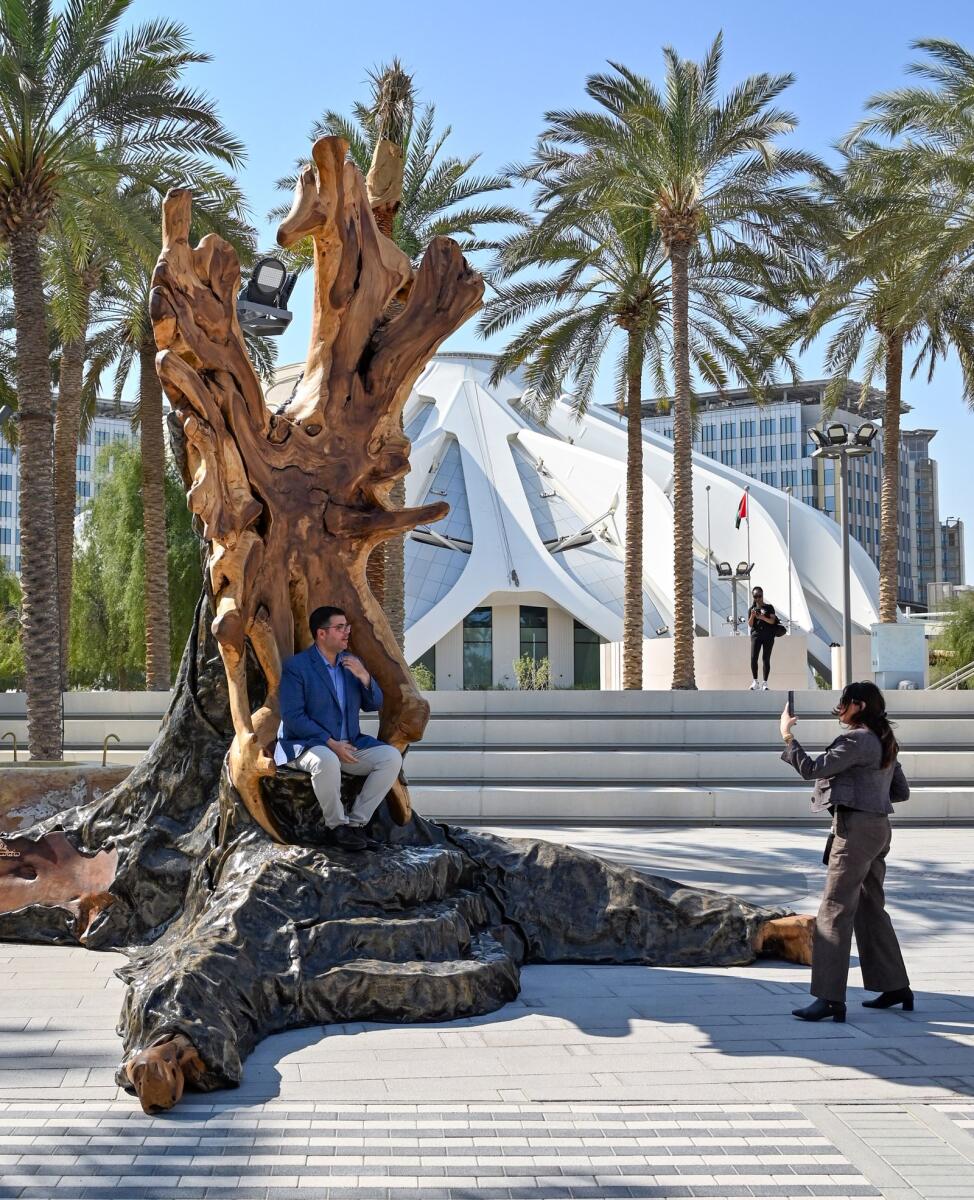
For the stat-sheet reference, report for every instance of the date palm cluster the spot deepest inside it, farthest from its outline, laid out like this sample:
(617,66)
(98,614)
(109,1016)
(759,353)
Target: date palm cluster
(672,234)
(678,236)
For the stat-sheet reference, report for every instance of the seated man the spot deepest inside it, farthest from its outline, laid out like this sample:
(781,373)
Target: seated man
(322,691)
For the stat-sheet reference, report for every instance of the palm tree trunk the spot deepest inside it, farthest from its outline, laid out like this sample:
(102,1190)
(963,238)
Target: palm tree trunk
(632,612)
(684,625)
(67,423)
(157,666)
(889,526)
(38,543)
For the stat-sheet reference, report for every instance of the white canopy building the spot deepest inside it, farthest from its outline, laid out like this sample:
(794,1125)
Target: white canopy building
(530,557)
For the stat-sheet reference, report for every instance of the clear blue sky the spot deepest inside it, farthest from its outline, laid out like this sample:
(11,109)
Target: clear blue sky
(492,70)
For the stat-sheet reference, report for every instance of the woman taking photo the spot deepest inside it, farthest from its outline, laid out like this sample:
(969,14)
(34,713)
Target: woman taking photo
(858,779)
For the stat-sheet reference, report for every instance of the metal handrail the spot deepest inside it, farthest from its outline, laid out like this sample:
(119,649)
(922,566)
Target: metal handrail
(104,747)
(13,737)
(955,678)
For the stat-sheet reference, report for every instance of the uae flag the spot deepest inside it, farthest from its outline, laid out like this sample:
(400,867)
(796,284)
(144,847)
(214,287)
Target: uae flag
(741,511)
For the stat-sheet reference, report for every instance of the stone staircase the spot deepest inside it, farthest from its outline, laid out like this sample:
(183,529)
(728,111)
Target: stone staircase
(606,756)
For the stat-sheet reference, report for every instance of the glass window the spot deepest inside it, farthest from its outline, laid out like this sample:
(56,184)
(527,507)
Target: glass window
(727,430)
(587,666)
(534,632)
(84,487)
(808,476)
(6,454)
(478,649)
(748,428)
(728,457)
(789,478)
(6,508)
(768,453)
(708,432)
(6,483)
(6,537)
(786,425)
(84,462)
(767,424)
(767,477)
(749,455)
(789,452)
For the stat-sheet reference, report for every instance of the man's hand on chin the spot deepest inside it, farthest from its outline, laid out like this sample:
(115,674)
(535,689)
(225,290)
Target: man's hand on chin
(355,667)
(343,751)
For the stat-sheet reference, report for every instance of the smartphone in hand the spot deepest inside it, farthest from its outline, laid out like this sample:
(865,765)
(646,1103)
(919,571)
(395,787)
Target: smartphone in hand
(791,703)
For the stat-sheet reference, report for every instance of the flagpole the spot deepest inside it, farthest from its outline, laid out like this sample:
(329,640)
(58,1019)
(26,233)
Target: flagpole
(710,571)
(789,559)
(747,517)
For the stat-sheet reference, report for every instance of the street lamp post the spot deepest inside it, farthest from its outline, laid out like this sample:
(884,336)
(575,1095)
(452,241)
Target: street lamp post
(837,441)
(734,575)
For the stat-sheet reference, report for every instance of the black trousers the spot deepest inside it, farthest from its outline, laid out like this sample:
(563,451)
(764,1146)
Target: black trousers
(762,646)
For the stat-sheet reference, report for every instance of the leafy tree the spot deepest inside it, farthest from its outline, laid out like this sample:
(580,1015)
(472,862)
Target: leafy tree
(734,228)
(108,612)
(78,101)
(954,648)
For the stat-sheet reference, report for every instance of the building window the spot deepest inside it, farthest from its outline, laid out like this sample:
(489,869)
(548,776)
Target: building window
(727,431)
(102,437)
(789,478)
(84,488)
(749,455)
(789,452)
(808,476)
(786,425)
(6,483)
(767,424)
(587,668)
(768,477)
(768,453)
(707,433)
(428,662)
(728,457)
(748,428)
(84,462)
(6,508)
(534,632)
(6,537)
(478,649)
(6,454)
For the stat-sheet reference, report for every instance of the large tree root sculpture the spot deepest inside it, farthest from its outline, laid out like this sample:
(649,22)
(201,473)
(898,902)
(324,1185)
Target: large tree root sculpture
(205,864)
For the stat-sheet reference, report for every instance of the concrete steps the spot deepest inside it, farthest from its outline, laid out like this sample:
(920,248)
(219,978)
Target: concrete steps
(590,756)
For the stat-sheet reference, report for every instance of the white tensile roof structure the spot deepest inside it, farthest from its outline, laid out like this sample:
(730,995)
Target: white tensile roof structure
(542,509)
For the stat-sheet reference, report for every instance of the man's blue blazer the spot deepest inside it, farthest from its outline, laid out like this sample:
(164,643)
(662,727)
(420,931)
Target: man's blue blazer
(309,706)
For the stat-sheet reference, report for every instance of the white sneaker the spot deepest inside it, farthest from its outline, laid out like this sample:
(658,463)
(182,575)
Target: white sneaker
(755,687)
(764,685)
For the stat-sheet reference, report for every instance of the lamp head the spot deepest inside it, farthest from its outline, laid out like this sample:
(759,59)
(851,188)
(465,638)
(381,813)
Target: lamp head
(743,570)
(724,570)
(836,434)
(862,443)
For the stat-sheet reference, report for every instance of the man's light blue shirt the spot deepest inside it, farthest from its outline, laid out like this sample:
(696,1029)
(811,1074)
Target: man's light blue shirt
(337,675)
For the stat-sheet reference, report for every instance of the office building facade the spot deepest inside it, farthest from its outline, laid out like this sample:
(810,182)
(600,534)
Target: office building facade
(771,442)
(109,425)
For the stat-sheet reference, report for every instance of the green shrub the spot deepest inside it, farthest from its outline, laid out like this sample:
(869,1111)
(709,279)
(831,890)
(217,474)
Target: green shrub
(532,675)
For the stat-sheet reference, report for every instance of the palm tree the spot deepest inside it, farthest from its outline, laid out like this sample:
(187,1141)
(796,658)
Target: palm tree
(417,193)
(77,100)
(123,336)
(722,195)
(611,296)
(893,281)
(927,137)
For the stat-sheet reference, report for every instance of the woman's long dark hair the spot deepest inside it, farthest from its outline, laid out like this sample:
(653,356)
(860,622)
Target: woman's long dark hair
(872,715)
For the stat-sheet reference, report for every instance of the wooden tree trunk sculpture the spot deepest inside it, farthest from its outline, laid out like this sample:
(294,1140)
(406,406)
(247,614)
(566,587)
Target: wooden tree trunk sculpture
(210,873)
(292,503)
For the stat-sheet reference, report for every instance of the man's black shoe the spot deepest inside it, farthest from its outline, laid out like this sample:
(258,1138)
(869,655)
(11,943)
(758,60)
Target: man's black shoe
(901,996)
(347,838)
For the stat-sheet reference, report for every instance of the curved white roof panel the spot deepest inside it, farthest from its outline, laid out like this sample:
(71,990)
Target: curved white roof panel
(541,508)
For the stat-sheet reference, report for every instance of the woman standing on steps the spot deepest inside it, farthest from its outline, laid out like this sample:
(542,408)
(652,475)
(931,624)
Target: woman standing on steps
(858,779)
(761,620)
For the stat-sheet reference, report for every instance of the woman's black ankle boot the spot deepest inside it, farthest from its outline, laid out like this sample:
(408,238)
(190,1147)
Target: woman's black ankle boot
(818,1010)
(902,996)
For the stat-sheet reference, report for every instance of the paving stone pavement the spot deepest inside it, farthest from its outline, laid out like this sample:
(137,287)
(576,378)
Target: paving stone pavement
(597,1081)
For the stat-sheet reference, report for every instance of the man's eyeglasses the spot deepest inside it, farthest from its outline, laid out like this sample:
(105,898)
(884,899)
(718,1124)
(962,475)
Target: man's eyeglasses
(341,628)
